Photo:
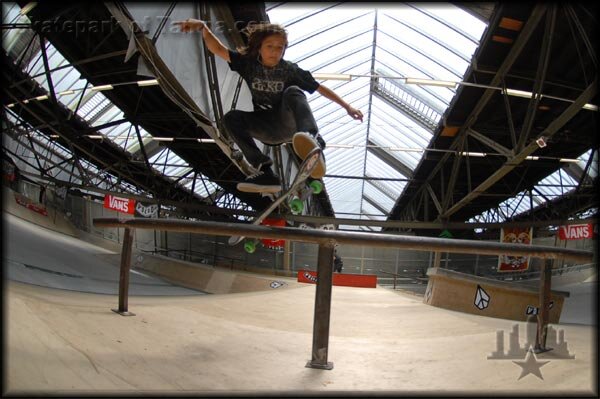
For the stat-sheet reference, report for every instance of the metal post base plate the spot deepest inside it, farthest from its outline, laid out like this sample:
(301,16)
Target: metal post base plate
(540,349)
(125,313)
(327,366)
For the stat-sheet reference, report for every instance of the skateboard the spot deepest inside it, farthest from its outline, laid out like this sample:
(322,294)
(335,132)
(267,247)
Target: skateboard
(298,190)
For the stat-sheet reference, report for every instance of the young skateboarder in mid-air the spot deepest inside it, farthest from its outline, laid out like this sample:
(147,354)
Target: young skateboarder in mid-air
(281,111)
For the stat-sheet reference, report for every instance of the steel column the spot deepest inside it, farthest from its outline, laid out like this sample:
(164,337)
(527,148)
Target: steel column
(124,275)
(322,315)
(544,307)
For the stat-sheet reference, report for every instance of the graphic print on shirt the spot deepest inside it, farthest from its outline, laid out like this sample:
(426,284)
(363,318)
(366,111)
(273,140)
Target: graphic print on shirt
(267,84)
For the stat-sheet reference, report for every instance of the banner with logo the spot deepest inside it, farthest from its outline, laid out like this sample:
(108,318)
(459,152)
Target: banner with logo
(514,235)
(119,204)
(29,204)
(576,231)
(341,279)
(146,210)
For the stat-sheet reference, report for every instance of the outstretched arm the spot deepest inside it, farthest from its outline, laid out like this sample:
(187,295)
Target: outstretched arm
(330,94)
(213,44)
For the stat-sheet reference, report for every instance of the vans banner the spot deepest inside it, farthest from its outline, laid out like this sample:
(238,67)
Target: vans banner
(119,204)
(576,231)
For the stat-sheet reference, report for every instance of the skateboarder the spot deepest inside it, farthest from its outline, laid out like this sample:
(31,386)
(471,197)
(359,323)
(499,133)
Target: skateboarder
(281,110)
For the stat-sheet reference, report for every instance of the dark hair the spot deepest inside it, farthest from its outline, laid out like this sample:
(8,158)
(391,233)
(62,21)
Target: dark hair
(257,33)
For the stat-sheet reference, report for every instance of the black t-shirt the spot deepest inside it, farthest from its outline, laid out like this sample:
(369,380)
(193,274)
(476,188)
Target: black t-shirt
(268,83)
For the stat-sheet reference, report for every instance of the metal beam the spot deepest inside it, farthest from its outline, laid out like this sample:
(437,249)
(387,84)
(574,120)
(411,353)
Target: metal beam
(559,122)
(449,195)
(489,142)
(388,159)
(540,77)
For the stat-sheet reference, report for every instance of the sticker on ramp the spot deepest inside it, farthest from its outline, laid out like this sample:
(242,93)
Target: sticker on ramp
(482,299)
(533,310)
(277,284)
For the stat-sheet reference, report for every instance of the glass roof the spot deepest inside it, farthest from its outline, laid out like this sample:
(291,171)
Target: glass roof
(378,45)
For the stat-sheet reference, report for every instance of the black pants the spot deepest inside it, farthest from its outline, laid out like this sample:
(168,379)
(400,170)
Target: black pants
(273,127)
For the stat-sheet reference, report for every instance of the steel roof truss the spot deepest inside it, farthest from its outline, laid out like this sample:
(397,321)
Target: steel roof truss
(540,77)
(556,124)
(509,60)
(489,142)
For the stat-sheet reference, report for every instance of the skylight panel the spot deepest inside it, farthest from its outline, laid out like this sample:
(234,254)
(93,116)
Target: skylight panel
(346,196)
(401,127)
(328,33)
(112,114)
(326,111)
(438,65)
(429,36)
(92,106)
(345,161)
(343,46)
(289,14)
(455,18)
(378,168)
(371,212)
(120,133)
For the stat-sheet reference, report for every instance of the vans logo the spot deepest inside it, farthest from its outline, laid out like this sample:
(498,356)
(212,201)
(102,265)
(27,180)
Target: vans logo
(124,205)
(575,231)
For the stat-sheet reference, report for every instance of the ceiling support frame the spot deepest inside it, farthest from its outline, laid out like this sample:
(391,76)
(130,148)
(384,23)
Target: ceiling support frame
(54,101)
(540,77)
(559,122)
(533,21)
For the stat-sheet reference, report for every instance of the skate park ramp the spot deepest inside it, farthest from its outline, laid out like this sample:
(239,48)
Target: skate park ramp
(60,340)
(35,255)
(582,305)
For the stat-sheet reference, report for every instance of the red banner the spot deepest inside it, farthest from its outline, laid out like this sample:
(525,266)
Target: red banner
(119,204)
(341,279)
(576,231)
(27,203)
(273,243)
(516,235)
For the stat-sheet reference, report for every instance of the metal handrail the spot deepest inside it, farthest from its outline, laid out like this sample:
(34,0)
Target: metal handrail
(351,238)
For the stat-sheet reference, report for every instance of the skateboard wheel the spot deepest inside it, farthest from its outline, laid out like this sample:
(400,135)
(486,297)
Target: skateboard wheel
(250,247)
(297,206)
(316,186)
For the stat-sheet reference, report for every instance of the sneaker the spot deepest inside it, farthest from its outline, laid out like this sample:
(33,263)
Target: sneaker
(262,182)
(303,144)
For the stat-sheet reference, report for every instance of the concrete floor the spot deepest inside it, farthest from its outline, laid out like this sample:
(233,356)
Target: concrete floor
(62,341)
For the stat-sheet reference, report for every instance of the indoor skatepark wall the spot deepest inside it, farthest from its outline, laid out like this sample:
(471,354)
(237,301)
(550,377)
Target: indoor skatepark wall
(205,278)
(487,297)
(23,207)
(186,274)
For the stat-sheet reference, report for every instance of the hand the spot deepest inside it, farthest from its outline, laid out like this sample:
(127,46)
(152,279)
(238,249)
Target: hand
(190,25)
(355,113)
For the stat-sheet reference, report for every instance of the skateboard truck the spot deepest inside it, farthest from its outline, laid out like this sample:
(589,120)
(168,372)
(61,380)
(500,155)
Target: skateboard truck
(303,173)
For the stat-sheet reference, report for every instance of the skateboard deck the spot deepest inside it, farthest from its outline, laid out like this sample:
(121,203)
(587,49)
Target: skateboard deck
(307,166)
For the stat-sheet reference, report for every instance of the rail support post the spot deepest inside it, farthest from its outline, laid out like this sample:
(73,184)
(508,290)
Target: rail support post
(320,345)
(544,310)
(124,274)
